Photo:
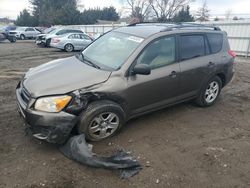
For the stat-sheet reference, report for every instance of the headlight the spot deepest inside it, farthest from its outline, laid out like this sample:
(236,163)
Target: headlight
(52,104)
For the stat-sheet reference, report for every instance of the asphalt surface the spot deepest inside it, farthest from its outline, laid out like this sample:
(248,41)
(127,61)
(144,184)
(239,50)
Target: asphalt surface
(181,146)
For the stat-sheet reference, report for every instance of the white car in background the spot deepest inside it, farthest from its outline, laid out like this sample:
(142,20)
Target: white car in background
(46,39)
(71,41)
(25,33)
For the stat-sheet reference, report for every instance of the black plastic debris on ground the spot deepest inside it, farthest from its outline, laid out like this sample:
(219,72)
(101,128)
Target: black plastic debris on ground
(77,149)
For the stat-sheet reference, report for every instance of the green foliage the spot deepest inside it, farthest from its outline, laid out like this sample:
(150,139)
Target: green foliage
(90,16)
(183,15)
(25,19)
(109,13)
(63,12)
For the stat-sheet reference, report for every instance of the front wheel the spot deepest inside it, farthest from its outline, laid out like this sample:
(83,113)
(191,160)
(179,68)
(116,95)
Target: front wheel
(210,92)
(22,37)
(12,40)
(101,119)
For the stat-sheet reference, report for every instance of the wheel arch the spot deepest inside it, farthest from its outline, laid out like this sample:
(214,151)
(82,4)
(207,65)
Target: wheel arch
(81,101)
(222,76)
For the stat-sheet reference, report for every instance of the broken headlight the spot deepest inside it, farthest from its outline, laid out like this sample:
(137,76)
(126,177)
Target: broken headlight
(52,104)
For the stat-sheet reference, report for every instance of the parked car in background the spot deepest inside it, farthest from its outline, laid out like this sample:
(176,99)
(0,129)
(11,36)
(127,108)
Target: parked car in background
(46,39)
(25,33)
(5,33)
(127,72)
(71,41)
(40,39)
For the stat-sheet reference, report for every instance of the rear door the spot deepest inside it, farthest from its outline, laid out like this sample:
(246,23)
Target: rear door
(195,62)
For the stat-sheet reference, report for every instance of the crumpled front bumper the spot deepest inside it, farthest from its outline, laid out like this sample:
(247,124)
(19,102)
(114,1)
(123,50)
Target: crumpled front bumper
(52,127)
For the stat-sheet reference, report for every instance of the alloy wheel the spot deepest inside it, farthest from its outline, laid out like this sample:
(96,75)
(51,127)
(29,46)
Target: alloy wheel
(69,48)
(104,125)
(212,92)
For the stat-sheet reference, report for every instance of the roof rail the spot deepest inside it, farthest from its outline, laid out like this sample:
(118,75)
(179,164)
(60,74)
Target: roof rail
(191,26)
(171,25)
(151,23)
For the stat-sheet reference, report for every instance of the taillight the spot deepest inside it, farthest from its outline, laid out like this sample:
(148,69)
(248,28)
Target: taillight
(55,40)
(232,53)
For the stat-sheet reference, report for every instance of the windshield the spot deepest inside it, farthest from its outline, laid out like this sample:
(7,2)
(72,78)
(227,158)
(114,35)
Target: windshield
(54,31)
(112,50)
(49,30)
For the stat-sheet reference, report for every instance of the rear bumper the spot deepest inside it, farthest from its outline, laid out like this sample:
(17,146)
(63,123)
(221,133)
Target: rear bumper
(52,127)
(58,46)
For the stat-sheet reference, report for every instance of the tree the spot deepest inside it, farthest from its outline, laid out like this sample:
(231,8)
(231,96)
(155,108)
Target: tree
(216,19)
(235,18)
(25,19)
(202,14)
(183,15)
(164,10)
(109,13)
(48,12)
(140,9)
(90,16)
(228,14)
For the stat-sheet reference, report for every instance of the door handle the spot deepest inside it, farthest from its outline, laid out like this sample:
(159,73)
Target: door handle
(211,64)
(173,74)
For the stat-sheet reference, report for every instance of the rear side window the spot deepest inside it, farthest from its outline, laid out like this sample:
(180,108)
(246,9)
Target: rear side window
(192,46)
(215,40)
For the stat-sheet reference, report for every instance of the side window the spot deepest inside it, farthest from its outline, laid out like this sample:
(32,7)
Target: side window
(72,36)
(192,46)
(29,29)
(215,40)
(77,36)
(159,53)
(85,37)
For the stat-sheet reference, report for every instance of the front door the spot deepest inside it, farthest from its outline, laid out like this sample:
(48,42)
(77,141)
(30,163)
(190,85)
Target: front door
(148,92)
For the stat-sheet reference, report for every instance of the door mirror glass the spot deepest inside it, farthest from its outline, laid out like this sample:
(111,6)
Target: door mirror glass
(142,69)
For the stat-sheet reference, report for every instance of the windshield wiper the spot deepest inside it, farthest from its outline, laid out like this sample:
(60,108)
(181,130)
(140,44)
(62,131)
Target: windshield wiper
(89,62)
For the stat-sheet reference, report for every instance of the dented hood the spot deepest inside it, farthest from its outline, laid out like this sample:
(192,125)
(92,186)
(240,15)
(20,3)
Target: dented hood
(62,76)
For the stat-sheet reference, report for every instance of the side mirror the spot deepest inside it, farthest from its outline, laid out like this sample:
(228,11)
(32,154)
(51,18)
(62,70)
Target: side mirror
(142,69)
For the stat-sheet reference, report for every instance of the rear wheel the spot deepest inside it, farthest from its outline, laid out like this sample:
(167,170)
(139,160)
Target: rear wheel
(210,92)
(69,48)
(101,119)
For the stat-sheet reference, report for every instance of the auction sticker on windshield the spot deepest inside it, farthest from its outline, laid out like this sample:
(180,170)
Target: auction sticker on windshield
(135,39)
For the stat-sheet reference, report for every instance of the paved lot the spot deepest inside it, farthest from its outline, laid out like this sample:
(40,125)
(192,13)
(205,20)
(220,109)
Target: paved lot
(186,146)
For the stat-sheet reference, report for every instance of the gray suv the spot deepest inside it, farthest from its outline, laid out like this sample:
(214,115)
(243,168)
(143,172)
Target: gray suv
(125,73)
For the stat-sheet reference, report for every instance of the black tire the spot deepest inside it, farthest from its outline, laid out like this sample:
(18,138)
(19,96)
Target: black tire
(94,110)
(47,43)
(69,48)
(22,36)
(201,99)
(13,40)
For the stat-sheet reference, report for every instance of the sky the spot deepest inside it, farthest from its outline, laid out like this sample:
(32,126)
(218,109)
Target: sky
(11,8)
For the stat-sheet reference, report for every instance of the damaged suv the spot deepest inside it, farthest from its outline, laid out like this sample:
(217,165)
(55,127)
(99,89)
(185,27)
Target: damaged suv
(127,72)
